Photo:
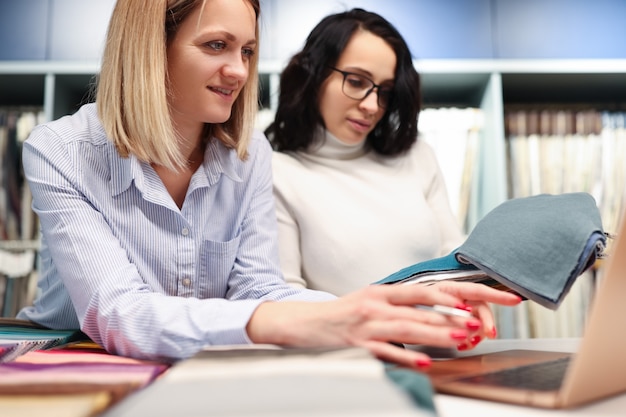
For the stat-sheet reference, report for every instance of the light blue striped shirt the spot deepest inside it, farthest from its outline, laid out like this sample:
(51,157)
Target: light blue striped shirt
(137,274)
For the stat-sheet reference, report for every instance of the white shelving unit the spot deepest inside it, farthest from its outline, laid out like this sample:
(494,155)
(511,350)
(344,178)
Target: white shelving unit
(61,86)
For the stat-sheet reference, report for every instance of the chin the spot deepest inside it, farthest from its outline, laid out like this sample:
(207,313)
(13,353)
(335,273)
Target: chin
(218,118)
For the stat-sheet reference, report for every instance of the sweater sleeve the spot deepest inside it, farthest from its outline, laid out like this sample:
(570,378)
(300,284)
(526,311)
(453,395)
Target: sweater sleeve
(436,195)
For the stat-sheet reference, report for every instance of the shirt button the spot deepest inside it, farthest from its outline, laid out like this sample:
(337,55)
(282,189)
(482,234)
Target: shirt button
(185,231)
(186,282)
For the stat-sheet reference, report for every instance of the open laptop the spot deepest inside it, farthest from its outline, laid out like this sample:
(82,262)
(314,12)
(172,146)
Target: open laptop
(597,370)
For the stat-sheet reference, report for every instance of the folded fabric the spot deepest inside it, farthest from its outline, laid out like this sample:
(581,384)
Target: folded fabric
(18,337)
(536,246)
(446,268)
(430,270)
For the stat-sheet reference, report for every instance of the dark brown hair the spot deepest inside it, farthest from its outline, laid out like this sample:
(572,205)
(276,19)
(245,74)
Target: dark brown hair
(298,113)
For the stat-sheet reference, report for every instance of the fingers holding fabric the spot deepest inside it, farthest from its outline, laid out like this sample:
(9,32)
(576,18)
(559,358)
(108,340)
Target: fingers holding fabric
(478,292)
(378,316)
(478,296)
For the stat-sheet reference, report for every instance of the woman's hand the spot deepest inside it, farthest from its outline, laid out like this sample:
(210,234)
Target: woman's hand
(379,314)
(477,297)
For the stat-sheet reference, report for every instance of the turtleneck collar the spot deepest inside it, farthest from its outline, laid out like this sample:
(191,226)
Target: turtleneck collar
(328,146)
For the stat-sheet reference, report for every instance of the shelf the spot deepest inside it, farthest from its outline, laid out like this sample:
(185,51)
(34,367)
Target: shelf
(453,90)
(72,91)
(526,66)
(594,89)
(59,87)
(49,67)
(491,84)
(21,90)
(19,245)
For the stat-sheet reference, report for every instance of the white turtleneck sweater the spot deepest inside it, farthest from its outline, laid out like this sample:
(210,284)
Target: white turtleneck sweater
(347,217)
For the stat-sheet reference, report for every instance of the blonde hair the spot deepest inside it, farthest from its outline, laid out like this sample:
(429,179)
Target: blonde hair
(132,96)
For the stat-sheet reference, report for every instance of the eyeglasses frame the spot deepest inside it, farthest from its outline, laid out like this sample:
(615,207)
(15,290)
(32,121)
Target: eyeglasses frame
(375,86)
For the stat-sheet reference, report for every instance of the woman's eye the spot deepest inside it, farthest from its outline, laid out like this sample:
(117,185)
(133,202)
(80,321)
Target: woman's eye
(355,81)
(216,45)
(247,52)
(385,94)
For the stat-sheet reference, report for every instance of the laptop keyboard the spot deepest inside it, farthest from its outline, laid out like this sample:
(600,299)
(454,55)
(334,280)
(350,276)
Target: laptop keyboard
(543,376)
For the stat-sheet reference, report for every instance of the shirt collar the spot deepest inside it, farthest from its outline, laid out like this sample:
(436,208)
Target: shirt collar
(328,146)
(218,160)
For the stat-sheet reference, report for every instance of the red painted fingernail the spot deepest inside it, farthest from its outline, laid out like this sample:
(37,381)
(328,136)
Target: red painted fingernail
(475,340)
(473,325)
(458,334)
(463,307)
(462,346)
(423,363)
(494,332)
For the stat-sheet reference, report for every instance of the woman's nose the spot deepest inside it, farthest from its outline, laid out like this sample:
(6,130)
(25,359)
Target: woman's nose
(370,102)
(236,68)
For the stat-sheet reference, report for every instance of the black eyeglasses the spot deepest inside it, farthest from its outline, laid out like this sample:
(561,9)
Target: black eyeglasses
(357,87)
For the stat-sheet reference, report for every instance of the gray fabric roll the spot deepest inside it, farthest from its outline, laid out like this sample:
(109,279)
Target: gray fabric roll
(537,245)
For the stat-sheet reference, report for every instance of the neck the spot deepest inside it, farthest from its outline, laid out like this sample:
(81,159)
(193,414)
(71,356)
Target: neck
(329,146)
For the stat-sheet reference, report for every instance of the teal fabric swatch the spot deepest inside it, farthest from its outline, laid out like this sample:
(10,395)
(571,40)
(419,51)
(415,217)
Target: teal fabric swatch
(444,264)
(416,384)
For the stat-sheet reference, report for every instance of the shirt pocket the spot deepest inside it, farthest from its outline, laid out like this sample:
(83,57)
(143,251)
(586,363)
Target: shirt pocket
(216,263)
